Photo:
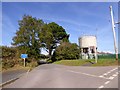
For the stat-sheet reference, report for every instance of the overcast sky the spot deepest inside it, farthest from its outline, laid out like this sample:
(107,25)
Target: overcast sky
(78,19)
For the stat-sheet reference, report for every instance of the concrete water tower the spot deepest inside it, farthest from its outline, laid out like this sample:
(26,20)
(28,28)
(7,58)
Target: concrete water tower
(88,47)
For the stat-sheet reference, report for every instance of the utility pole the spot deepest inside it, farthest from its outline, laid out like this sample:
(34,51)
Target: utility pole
(114,34)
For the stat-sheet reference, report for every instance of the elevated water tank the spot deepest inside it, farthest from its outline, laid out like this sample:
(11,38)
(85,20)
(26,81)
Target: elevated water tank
(87,41)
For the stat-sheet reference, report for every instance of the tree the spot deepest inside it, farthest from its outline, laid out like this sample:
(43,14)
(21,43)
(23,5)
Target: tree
(27,37)
(51,35)
(66,51)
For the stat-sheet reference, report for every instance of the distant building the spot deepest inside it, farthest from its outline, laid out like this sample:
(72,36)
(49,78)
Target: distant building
(88,47)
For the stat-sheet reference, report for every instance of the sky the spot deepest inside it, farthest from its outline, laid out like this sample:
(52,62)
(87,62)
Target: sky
(77,18)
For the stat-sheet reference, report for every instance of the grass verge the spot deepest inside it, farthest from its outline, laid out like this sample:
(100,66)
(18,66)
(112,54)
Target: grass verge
(106,62)
(71,62)
(101,62)
(17,67)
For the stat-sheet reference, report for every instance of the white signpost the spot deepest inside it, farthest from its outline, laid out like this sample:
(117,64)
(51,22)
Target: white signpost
(24,56)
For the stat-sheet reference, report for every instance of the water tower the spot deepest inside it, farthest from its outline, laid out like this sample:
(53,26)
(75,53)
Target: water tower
(88,47)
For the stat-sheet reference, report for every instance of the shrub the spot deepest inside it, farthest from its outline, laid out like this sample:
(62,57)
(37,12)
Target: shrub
(8,64)
(32,64)
(66,51)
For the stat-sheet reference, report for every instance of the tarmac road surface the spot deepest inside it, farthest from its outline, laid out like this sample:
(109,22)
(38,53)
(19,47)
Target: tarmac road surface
(8,75)
(60,76)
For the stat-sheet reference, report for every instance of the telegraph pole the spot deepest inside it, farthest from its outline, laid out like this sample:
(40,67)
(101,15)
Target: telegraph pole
(114,34)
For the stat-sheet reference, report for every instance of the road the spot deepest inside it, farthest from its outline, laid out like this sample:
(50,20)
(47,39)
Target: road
(60,76)
(8,75)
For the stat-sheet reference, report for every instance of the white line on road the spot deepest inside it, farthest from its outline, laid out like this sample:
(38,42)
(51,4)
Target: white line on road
(114,69)
(114,75)
(108,72)
(107,82)
(105,74)
(82,73)
(101,87)
(111,77)
(87,74)
(101,76)
(117,73)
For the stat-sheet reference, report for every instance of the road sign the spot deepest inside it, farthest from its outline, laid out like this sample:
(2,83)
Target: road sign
(24,55)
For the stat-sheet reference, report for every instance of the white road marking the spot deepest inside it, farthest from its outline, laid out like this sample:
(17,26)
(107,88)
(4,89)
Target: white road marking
(101,76)
(107,82)
(101,87)
(111,77)
(114,69)
(114,75)
(116,72)
(82,73)
(108,72)
(105,74)
(86,74)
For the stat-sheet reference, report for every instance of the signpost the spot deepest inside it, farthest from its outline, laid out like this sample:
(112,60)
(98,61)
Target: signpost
(24,56)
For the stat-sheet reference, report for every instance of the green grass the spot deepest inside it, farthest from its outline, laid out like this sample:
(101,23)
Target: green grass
(71,62)
(101,62)
(106,62)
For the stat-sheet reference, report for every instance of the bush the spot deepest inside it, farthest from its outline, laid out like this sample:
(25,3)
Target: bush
(8,64)
(66,51)
(49,61)
(32,64)
(8,56)
(8,52)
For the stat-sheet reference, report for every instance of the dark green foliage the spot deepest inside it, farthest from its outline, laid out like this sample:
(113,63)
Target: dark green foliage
(66,51)
(8,56)
(6,63)
(31,36)
(108,56)
(26,38)
(118,56)
(8,52)
(11,57)
(51,35)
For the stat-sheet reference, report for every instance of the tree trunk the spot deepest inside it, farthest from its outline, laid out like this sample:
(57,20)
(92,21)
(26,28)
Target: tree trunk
(50,52)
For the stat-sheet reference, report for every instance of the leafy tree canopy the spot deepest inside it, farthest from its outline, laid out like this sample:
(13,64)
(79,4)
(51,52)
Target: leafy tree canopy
(27,37)
(66,51)
(51,35)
